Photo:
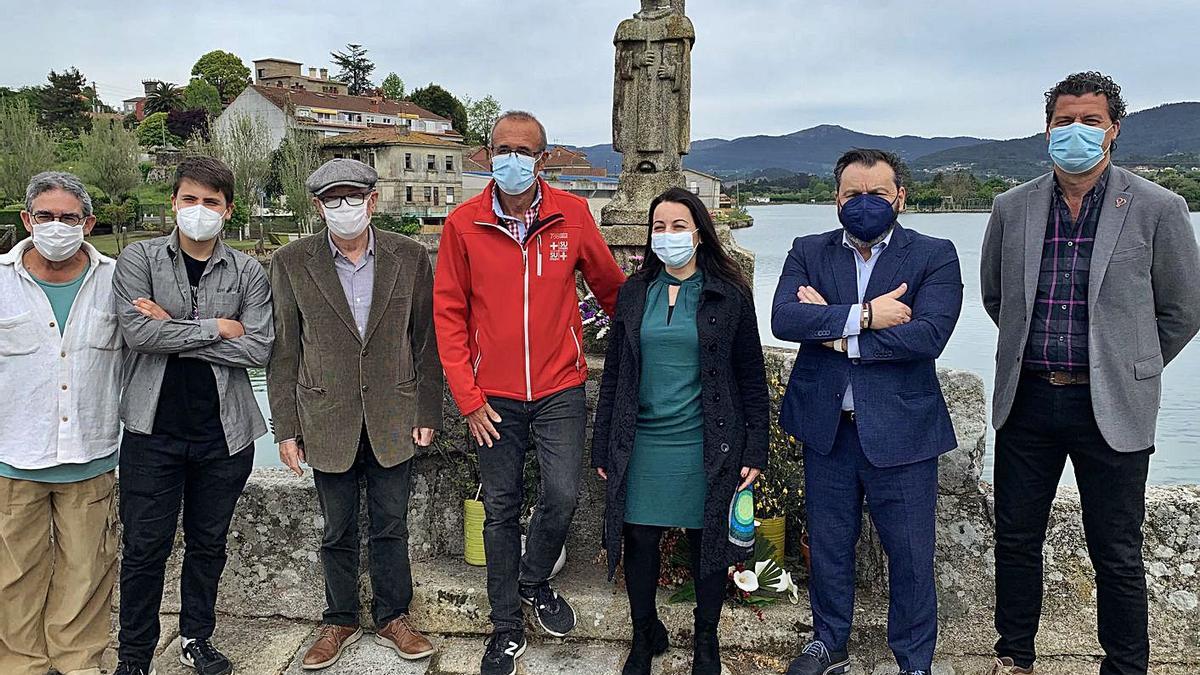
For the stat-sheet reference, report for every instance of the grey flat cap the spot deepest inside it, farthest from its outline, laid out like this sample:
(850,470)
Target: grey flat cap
(338,172)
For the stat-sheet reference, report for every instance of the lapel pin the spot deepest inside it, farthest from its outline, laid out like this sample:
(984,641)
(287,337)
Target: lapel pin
(1121,201)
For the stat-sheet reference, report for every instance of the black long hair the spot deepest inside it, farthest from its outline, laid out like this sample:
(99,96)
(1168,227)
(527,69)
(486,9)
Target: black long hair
(711,257)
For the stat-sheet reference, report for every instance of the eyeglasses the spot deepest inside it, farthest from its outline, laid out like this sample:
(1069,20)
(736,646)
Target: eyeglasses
(524,152)
(43,217)
(349,200)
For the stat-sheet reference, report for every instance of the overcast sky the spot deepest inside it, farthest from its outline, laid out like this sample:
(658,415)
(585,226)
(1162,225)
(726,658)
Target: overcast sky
(924,67)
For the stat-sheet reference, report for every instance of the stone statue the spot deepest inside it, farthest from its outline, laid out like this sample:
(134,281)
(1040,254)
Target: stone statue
(651,106)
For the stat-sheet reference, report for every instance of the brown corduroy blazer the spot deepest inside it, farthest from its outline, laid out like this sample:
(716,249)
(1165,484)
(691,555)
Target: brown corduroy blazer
(325,379)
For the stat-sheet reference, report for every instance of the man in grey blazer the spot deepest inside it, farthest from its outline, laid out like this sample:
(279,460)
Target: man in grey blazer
(1092,275)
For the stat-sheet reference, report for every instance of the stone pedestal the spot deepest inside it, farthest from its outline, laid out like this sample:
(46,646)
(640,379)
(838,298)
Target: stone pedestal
(631,203)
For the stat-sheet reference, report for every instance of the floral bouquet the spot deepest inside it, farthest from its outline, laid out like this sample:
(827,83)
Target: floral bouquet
(756,583)
(596,321)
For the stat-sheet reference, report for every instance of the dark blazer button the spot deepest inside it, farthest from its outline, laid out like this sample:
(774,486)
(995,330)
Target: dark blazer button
(364,352)
(712,372)
(720,421)
(717,397)
(712,320)
(712,348)
(364,387)
(724,447)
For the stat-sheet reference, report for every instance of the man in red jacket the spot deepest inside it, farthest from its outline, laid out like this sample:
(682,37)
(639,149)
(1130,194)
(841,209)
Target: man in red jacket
(511,342)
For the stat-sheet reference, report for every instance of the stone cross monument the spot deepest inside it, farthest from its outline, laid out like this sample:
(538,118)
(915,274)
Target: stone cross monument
(651,107)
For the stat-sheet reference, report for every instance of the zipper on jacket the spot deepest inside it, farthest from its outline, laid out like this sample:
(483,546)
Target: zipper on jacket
(578,350)
(528,383)
(479,355)
(539,241)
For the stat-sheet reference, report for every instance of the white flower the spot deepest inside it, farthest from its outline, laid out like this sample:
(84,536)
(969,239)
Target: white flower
(746,580)
(784,583)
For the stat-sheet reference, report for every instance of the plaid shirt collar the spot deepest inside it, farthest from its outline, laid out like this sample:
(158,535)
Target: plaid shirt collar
(515,225)
(1095,195)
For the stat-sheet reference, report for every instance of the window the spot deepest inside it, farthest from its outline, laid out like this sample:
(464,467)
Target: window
(261,73)
(408,193)
(428,194)
(449,162)
(408,162)
(338,155)
(356,156)
(449,195)
(435,197)
(371,160)
(431,162)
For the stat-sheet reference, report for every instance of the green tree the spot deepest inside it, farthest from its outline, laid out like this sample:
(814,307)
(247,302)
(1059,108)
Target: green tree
(356,68)
(164,98)
(109,159)
(481,117)
(441,102)
(32,96)
(297,157)
(245,145)
(25,148)
(199,93)
(392,87)
(64,104)
(223,70)
(152,132)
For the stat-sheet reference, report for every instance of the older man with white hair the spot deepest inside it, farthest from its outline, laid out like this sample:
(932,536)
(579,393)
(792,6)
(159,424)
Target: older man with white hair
(60,375)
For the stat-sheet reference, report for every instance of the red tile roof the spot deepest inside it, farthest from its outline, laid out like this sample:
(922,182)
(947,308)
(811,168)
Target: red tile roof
(280,96)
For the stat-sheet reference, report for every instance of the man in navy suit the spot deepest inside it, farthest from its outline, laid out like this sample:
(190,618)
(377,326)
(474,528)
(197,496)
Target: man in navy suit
(872,305)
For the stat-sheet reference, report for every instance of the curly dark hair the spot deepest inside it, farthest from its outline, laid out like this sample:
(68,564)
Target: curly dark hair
(1090,82)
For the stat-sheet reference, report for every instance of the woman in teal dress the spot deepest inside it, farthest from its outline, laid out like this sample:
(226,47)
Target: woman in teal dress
(681,424)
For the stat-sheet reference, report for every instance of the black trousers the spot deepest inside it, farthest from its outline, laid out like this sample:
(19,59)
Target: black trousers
(159,475)
(1047,425)
(387,519)
(642,566)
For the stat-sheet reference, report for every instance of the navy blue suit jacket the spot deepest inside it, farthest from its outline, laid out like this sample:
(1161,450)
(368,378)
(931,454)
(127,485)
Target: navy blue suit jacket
(901,413)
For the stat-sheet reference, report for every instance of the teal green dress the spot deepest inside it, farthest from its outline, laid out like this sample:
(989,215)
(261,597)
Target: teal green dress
(665,481)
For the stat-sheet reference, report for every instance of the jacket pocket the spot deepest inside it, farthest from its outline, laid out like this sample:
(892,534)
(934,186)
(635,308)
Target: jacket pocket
(1148,368)
(103,331)
(578,348)
(478,353)
(18,336)
(1128,254)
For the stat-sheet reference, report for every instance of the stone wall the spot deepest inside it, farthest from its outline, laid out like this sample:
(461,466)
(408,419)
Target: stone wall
(274,571)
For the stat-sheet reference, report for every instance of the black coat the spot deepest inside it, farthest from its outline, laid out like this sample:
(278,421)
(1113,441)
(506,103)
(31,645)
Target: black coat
(735,404)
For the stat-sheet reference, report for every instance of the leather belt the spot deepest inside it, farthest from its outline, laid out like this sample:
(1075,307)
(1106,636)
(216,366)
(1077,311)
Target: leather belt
(1060,378)
(849,416)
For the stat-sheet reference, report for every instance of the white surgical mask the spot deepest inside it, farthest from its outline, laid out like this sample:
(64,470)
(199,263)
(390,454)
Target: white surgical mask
(57,241)
(199,222)
(345,221)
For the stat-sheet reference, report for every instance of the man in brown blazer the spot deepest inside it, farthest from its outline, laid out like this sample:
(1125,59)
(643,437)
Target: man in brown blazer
(355,384)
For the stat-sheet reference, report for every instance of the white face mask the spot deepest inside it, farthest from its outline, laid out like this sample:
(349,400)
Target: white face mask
(345,221)
(199,222)
(56,241)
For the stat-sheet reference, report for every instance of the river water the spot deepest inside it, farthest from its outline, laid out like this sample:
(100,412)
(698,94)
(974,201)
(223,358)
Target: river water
(972,347)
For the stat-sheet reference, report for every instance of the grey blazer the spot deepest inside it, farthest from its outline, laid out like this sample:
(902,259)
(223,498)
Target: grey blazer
(1143,296)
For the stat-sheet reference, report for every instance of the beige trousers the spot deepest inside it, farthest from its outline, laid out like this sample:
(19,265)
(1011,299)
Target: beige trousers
(58,564)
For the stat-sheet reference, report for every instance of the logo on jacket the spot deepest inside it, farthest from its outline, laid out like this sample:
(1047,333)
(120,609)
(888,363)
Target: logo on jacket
(559,242)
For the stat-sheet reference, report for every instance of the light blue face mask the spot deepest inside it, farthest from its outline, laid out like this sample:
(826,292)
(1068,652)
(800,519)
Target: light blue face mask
(1077,148)
(513,172)
(674,249)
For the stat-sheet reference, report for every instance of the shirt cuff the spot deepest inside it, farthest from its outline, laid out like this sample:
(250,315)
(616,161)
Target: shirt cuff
(852,347)
(853,321)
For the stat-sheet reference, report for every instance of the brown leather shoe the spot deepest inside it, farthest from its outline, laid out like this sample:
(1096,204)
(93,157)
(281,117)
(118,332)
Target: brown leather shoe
(404,639)
(1005,666)
(327,649)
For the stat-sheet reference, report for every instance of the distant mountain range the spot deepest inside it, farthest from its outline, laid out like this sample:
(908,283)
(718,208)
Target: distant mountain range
(1150,135)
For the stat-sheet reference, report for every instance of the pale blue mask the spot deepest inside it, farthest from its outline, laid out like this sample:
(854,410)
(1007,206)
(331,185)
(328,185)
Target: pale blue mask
(513,172)
(674,249)
(1077,148)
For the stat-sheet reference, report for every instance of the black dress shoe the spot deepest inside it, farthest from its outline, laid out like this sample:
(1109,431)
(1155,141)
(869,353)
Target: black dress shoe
(816,659)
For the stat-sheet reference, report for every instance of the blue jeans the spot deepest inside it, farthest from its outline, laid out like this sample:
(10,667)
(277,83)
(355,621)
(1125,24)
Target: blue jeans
(556,426)
(902,502)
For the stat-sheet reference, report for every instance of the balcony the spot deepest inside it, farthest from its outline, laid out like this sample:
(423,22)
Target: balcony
(332,123)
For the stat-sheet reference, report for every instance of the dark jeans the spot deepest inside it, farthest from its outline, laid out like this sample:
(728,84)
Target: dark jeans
(902,501)
(556,425)
(387,517)
(643,563)
(158,474)
(1047,425)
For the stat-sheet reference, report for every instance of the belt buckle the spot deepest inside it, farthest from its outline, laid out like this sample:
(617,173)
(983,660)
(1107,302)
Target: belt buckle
(1062,378)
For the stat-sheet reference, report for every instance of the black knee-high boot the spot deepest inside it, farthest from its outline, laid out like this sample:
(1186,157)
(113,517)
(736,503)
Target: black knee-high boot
(642,562)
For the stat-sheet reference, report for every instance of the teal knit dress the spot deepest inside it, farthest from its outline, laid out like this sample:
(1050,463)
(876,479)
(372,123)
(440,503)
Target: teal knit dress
(665,480)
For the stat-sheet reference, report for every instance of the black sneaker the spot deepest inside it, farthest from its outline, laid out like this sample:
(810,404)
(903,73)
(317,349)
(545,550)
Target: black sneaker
(554,613)
(503,650)
(126,669)
(816,659)
(204,658)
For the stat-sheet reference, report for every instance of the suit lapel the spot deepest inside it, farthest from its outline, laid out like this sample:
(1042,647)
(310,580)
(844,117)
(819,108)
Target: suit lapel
(324,276)
(387,271)
(1037,210)
(1108,230)
(883,277)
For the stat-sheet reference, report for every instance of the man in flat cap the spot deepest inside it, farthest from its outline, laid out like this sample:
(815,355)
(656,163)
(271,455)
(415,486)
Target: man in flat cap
(355,386)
